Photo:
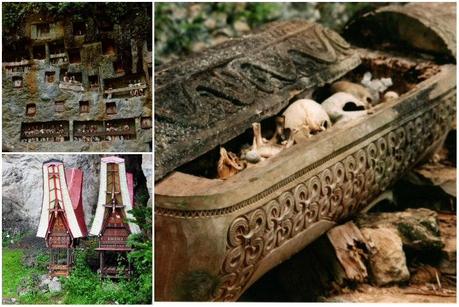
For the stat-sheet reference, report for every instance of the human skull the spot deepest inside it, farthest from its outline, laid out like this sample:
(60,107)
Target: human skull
(306,117)
(342,107)
(356,90)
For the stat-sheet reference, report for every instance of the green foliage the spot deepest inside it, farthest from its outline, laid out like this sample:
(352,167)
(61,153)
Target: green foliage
(15,12)
(42,261)
(33,298)
(10,238)
(16,276)
(142,256)
(135,16)
(85,287)
(180,33)
(13,271)
(181,27)
(142,217)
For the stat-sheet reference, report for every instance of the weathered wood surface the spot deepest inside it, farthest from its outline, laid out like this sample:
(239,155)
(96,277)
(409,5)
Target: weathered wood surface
(351,250)
(210,98)
(428,27)
(224,238)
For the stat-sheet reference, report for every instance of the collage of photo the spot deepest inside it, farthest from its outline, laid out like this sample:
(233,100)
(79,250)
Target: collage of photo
(265,152)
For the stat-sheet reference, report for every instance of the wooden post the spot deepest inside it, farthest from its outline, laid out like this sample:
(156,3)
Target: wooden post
(129,265)
(101,257)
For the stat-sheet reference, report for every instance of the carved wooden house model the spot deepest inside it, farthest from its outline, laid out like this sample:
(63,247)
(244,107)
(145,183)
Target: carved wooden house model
(62,221)
(112,222)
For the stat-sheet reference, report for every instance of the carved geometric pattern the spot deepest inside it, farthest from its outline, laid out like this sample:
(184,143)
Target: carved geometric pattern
(445,111)
(302,48)
(338,191)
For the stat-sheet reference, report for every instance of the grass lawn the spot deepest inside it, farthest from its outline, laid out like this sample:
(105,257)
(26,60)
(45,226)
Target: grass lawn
(14,271)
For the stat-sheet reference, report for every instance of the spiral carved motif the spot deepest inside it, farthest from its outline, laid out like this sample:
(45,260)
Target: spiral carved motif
(338,191)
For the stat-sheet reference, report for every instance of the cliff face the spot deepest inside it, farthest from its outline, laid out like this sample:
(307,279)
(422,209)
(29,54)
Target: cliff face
(23,181)
(147,165)
(77,83)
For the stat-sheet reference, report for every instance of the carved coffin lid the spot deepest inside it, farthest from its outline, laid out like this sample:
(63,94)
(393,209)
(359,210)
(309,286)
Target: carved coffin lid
(212,97)
(429,27)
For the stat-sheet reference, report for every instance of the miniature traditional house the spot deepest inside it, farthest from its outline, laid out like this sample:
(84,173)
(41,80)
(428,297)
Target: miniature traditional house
(116,196)
(62,216)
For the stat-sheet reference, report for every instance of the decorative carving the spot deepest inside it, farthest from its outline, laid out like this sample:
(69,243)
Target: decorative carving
(234,83)
(340,190)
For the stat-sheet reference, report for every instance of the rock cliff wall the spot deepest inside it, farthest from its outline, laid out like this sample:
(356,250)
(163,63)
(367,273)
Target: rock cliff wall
(23,181)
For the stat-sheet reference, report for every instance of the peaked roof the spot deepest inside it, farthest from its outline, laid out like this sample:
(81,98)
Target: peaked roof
(74,178)
(68,184)
(127,195)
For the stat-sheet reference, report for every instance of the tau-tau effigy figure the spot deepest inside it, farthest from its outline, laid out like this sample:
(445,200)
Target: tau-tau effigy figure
(62,216)
(113,222)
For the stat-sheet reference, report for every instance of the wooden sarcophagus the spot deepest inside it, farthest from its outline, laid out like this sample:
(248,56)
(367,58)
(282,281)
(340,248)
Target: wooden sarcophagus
(62,217)
(113,222)
(213,237)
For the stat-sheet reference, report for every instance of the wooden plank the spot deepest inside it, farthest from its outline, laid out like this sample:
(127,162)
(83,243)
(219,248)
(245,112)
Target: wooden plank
(351,250)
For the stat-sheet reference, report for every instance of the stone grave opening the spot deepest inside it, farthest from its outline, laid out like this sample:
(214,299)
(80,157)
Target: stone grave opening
(42,29)
(93,82)
(17,81)
(110,108)
(84,106)
(74,55)
(79,28)
(39,52)
(108,47)
(53,131)
(31,109)
(59,106)
(50,76)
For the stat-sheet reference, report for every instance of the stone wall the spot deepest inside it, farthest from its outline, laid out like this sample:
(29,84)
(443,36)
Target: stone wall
(83,55)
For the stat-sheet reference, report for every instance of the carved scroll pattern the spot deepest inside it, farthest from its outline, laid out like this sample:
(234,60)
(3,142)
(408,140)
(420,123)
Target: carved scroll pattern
(238,83)
(336,192)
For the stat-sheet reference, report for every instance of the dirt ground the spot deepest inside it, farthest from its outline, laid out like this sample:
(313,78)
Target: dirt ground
(411,294)
(427,291)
